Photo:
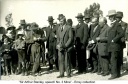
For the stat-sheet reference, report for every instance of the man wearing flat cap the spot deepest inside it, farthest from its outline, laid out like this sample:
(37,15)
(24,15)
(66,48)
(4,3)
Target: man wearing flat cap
(81,38)
(64,44)
(114,38)
(119,17)
(51,43)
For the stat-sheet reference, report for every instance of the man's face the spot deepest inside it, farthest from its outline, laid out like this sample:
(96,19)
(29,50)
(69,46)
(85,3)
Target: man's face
(20,37)
(112,18)
(23,26)
(118,19)
(94,21)
(80,19)
(87,20)
(50,22)
(62,21)
(101,23)
(5,40)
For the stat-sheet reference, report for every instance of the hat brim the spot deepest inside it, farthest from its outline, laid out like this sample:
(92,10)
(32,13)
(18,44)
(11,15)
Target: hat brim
(11,28)
(110,15)
(22,23)
(118,16)
(50,20)
(79,16)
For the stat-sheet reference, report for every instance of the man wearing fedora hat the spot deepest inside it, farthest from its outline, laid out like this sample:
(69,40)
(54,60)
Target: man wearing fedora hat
(51,43)
(114,38)
(64,44)
(81,38)
(119,17)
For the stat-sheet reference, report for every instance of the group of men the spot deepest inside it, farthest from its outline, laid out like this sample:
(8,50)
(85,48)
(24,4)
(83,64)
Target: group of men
(92,46)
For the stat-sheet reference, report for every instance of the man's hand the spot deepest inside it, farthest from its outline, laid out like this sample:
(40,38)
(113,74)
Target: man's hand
(98,38)
(34,38)
(112,41)
(90,42)
(55,36)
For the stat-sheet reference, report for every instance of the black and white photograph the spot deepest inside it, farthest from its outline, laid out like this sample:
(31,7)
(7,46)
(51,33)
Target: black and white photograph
(64,40)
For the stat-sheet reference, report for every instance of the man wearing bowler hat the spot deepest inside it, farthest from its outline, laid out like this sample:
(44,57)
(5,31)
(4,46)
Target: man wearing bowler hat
(51,43)
(114,38)
(81,40)
(119,17)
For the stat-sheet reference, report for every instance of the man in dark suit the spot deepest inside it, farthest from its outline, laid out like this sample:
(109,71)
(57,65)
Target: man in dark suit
(114,38)
(81,38)
(64,45)
(94,33)
(102,47)
(73,51)
(119,17)
(51,43)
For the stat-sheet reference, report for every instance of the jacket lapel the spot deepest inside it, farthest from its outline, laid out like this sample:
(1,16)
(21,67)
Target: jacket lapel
(95,30)
(102,30)
(64,30)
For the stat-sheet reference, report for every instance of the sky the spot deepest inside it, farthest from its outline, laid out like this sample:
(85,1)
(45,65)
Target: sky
(39,10)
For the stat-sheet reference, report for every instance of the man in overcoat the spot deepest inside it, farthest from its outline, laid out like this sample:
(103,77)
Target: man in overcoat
(115,34)
(119,17)
(51,38)
(94,33)
(81,38)
(102,47)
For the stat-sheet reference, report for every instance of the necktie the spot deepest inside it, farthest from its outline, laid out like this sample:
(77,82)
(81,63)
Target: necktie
(95,29)
(61,28)
(51,27)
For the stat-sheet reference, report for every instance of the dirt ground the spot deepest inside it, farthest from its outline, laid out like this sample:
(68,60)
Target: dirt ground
(52,75)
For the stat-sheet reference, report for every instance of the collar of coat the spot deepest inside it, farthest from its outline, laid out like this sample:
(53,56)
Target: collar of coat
(104,28)
(79,25)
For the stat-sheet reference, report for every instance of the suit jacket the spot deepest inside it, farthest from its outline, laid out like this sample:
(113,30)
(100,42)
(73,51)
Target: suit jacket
(50,35)
(6,54)
(81,34)
(94,35)
(28,36)
(115,33)
(39,33)
(102,43)
(126,33)
(64,38)
(124,26)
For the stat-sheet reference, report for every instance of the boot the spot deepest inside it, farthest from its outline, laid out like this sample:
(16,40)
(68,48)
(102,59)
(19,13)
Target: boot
(23,72)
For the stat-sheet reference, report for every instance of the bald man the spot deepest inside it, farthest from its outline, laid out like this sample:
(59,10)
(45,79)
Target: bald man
(94,33)
(102,47)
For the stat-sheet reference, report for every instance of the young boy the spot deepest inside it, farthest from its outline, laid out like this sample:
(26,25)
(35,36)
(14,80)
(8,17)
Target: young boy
(6,56)
(20,47)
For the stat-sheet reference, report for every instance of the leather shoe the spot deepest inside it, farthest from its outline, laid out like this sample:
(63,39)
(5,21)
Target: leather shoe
(33,74)
(94,71)
(60,76)
(68,76)
(112,77)
(105,74)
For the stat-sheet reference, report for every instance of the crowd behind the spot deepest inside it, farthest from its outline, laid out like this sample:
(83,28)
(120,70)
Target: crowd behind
(92,46)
